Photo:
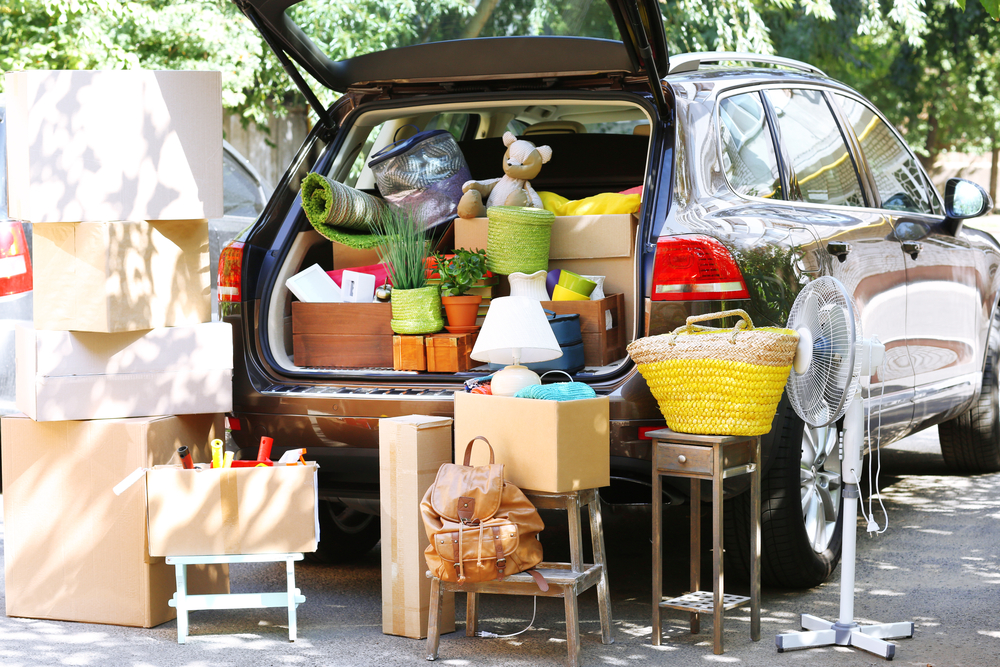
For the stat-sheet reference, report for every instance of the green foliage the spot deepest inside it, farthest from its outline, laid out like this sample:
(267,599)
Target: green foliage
(403,248)
(460,272)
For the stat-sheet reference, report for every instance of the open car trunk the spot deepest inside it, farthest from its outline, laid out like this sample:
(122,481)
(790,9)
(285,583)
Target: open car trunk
(600,144)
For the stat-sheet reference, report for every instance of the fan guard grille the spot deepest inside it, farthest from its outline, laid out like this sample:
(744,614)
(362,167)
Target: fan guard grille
(820,396)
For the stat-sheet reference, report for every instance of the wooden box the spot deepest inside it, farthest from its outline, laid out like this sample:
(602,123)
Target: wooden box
(449,353)
(601,345)
(342,335)
(409,353)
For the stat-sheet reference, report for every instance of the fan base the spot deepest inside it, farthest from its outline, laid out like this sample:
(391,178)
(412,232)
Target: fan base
(871,638)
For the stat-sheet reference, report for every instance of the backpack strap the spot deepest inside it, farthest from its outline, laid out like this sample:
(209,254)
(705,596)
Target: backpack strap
(468,450)
(539,579)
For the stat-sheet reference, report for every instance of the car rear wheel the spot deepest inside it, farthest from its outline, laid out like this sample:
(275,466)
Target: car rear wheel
(801,509)
(345,534)
(971,441)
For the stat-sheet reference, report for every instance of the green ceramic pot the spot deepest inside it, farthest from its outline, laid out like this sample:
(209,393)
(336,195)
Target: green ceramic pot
(416,311)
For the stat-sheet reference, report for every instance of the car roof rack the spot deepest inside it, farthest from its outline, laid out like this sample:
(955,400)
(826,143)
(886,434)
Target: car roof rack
(690,62)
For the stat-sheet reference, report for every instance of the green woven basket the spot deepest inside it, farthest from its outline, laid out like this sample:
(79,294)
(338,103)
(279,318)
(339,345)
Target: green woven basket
(518,239)
(416,311)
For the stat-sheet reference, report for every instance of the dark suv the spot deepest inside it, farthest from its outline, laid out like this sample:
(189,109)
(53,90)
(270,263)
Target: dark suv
(757,175)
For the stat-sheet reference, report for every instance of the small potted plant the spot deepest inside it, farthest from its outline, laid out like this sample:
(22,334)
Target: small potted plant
(459,273)
(403,248)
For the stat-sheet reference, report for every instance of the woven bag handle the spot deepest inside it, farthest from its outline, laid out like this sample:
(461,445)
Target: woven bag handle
(746,324)
(468,450)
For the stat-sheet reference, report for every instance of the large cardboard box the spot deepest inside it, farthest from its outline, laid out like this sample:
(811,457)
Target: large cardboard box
(121,276)
(114,145)
(552,446)
(65,375)
(74,551)
(206,512)
(410,451)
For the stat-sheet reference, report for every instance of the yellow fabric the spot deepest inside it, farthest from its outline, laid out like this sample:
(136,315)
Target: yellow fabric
(605,203)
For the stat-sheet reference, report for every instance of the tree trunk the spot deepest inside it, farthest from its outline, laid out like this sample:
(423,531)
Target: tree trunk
(993,171)
(478,22)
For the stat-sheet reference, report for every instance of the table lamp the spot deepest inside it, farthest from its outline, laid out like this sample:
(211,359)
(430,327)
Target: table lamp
(515,331)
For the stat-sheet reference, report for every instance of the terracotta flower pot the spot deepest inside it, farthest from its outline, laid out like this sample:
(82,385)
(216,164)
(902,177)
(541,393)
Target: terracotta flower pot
(462,311)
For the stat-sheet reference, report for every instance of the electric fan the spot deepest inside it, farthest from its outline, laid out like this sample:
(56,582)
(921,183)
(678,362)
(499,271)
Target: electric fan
(830,360)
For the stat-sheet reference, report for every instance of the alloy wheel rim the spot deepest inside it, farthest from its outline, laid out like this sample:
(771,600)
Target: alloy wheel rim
(820,484)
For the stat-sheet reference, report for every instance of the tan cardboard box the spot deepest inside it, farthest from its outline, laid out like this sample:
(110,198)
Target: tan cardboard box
(121,276)
(552,446)
(346,257)
(573,236)
(114,145)
(65,375)
(411,449)
(232,510)
(74,551)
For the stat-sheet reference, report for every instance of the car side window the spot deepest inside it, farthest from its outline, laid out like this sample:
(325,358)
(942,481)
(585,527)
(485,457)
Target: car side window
(747,152)
(821,168)
(898,178)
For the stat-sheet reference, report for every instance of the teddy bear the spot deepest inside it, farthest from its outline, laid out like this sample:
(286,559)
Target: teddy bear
(521,163)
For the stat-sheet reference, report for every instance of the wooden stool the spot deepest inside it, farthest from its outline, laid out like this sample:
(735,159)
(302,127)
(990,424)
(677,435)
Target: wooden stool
(185,603)
(566,580)
(700,457)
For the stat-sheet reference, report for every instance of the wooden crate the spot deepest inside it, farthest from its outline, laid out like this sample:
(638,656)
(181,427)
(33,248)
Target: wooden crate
(449,353)
(601,345)
(409,353)
(341,318)
(342,335)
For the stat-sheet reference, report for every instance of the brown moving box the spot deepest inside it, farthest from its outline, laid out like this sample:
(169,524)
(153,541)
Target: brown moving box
(346,335)
(111,277)
(114,145)
(601,345)
(258,510)
(409,353)
(551,446)
(74,551)
(411,449)
(449,353)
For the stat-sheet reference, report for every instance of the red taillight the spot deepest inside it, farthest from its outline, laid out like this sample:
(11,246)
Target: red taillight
(233,424)
(695,268)
(15,260)
(230,272)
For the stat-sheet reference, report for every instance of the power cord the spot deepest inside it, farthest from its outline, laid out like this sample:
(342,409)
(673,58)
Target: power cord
(493,635)
(872,525)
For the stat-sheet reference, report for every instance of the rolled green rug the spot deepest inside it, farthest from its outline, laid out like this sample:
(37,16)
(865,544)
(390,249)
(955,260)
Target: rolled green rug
(341,213)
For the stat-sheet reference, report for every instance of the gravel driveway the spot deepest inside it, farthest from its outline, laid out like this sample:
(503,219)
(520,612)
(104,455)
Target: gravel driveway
(937,565)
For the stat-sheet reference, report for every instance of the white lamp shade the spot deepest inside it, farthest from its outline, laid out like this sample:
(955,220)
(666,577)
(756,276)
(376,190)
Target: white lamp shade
(515,326)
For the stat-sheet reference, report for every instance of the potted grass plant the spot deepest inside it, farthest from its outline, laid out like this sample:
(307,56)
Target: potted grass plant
(403,249)
(459,273)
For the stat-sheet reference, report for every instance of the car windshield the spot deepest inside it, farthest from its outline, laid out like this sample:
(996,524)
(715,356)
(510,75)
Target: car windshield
(347,30)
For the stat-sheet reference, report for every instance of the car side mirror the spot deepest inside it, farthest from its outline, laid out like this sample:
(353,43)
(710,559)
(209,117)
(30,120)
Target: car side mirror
(964,199)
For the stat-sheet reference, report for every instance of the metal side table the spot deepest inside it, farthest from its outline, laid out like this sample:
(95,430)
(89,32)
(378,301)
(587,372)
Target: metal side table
(715,458)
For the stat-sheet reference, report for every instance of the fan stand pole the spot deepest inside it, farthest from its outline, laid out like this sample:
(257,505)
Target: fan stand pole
(846,631)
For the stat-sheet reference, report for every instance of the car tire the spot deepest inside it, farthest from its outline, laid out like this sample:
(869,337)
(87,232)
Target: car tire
(970,442)
(801,509)
(346,534)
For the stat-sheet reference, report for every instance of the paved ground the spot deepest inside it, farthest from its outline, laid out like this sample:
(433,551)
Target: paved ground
(937,565)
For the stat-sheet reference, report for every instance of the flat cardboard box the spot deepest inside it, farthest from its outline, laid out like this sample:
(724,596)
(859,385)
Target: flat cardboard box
(111,277)
(64,375)
(114,145)
(573,236)
(214,512)
(411,450)
(346,257)
(73,551)
(551,446)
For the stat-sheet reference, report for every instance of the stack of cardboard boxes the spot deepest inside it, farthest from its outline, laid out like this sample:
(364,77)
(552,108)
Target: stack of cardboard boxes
(118,173)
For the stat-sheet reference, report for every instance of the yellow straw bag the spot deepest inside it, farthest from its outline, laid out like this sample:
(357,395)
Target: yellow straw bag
(717,381)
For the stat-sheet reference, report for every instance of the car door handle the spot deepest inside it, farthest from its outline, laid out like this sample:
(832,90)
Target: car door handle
(838,249)
(912,248)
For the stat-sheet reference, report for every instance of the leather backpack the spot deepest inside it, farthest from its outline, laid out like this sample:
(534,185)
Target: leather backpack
(480,527)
